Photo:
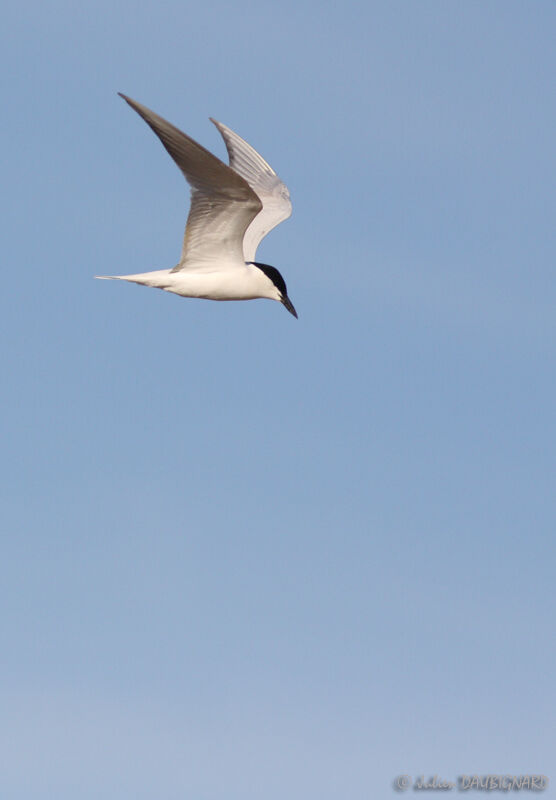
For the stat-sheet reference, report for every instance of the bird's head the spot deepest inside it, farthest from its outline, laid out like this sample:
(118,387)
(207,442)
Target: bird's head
(278,289)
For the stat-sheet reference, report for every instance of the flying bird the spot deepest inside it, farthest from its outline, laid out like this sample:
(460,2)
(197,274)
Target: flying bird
(232,209)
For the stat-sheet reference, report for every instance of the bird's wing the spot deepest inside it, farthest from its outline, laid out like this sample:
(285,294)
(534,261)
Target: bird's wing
(260,176)
(223,204)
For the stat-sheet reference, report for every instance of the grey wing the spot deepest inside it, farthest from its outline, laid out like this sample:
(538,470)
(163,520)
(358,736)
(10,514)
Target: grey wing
(223,204)
(260,176)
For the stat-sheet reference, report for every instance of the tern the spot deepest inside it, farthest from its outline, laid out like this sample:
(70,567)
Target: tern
(232,209)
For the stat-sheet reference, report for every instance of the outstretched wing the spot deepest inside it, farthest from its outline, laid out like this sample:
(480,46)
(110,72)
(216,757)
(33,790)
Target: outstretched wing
(223,205)
(260,176)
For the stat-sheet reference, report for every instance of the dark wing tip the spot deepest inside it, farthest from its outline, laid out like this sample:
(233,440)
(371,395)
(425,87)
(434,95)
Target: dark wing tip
(129,100)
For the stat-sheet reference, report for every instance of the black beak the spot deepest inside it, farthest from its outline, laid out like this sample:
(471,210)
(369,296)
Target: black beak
(289,305)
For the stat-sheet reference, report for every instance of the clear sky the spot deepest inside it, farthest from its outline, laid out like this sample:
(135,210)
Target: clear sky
(245,556)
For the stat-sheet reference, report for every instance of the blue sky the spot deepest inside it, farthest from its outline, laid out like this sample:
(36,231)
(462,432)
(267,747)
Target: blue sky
(246,556)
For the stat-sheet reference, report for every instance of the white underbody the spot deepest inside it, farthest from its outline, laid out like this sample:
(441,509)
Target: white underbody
(245,282)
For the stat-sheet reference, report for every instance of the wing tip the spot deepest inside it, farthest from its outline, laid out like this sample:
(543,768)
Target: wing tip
(133,103)
(219,125)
